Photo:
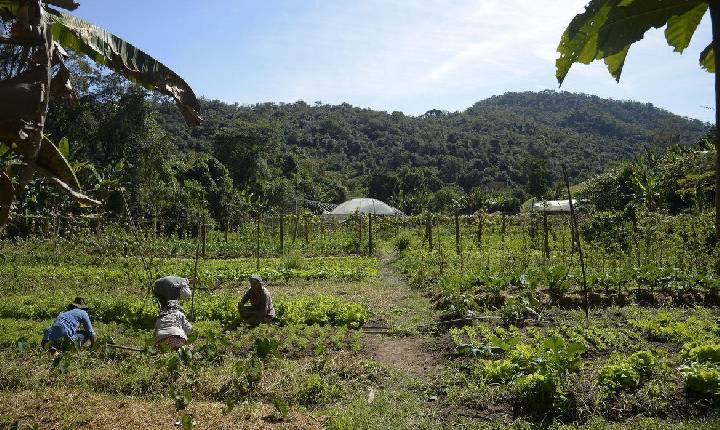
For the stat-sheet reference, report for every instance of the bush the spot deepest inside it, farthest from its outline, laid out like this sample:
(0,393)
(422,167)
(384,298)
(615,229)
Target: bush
(402,243)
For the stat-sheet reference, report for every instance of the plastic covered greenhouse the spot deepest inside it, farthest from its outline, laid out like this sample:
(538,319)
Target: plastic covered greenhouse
(364,206)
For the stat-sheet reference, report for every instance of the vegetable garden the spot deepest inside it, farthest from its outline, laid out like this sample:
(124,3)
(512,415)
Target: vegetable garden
(496,301)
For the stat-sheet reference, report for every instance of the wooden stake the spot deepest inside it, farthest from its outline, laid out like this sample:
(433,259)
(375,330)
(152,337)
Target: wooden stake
(428,231)
(370,234)
(546,244)
(576,236)
(458,248)
(257,243)
(282,233)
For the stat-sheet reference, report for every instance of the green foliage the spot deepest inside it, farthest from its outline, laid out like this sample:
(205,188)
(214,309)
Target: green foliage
(702,378)
(643,362)
(266,348)
(182,398)
(314,390)
(322,310)
(402,242)
(281,408)
(138,312)
(498,371)
(663,327)
(628,373)
(608,28)
(701,353)
(535,393)
(617,377)
(284,154)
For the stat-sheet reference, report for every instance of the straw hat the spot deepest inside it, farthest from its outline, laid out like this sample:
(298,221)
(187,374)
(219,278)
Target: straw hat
(79,303)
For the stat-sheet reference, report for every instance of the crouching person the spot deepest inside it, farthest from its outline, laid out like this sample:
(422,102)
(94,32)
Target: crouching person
(261,308)
(65,330)
(172,327)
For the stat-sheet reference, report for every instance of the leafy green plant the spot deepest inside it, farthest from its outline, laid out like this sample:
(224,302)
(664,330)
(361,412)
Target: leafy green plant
(402,243)
(266,348)
(616,377)
(702,378)
(702,353)
(535,393)
(281,407)
(628,373)
(498,371)
(643,362)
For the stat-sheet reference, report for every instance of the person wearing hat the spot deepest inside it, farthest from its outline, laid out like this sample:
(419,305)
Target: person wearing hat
(261,308)
(172,288)
(66,330)
(172,326)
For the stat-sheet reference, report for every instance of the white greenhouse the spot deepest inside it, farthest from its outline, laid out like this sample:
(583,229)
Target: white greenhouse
(364,206)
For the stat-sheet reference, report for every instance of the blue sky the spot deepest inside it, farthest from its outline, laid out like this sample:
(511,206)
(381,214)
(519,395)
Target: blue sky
(410,56)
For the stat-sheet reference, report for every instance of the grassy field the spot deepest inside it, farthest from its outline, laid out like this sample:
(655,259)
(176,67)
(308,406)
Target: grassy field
(485,332)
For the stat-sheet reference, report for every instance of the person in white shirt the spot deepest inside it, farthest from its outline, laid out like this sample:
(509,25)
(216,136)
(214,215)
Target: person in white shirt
(172,327)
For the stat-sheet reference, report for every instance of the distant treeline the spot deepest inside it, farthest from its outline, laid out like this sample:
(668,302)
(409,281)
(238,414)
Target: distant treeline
(275,157)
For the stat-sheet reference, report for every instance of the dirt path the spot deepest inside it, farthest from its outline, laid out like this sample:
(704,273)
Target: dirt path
(417,355)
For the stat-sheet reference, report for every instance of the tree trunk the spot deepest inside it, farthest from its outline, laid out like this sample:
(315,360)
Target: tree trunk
(34,140)
(715,18)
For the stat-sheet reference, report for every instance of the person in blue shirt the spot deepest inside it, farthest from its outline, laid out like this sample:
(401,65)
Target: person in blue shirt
(65,330)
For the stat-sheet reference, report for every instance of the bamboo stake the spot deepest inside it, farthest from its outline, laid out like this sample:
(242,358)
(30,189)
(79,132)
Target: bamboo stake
(576,238)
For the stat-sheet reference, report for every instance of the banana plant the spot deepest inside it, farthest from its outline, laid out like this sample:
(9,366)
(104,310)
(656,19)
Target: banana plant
(42,31)
(608,28)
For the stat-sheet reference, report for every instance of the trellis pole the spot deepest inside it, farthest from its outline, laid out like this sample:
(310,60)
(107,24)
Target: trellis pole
(282,233)
(257,242)
(370,234)
(576,238)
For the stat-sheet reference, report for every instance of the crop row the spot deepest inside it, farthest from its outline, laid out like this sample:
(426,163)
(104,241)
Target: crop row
(211,272)
(478,288)
(548,373)
(139,312)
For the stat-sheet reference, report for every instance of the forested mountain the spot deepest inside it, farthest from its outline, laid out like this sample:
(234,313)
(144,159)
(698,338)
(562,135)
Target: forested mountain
(491,144)
(278,156)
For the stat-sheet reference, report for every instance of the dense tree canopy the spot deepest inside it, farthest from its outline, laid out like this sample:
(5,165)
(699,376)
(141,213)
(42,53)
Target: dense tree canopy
(281,157)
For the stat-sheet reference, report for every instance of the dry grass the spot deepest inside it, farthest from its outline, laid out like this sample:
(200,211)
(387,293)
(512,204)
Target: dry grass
(58,409)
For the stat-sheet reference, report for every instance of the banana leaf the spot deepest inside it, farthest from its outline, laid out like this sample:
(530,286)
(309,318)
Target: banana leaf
(122,57)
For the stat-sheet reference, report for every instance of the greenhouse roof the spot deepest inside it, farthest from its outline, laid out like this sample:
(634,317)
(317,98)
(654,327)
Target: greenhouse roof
(365,206)
(553,206)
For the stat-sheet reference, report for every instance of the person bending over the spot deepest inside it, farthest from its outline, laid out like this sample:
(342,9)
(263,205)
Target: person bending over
(65,330)
(261,307)
(172,327)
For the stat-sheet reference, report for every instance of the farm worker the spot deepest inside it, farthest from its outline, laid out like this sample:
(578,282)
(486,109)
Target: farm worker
(172,327)
(172,288)
(66,327)
(261,307)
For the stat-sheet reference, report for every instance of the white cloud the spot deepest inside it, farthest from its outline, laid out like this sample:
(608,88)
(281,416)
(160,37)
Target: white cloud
(417,55)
